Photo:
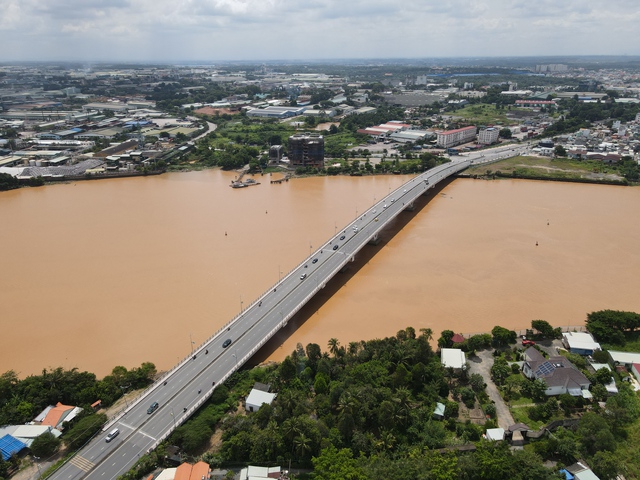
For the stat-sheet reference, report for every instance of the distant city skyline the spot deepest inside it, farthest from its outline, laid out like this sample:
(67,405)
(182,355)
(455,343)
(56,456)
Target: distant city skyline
(256,30)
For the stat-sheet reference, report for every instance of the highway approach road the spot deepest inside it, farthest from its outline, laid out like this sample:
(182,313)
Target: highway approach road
(183,390)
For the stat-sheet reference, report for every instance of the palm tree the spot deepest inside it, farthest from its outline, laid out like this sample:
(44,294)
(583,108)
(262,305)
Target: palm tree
(334,346)
(302,444)
(428,333)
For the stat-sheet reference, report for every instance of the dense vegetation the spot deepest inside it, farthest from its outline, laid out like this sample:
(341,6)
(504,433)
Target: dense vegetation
(366,411)
(614,326)
(22,400)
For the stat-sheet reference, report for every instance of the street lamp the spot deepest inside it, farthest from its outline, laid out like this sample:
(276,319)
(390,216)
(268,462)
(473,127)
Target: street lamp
(191,342)
(37,459)
(236,358)
(240,303)
(124,395)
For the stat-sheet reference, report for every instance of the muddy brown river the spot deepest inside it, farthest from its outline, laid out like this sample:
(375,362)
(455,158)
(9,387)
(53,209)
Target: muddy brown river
(117,272)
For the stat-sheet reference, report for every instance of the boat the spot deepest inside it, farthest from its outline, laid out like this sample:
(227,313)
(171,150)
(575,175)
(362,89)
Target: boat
(247,183)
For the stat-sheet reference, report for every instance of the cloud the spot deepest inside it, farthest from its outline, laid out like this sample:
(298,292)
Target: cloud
(157,30)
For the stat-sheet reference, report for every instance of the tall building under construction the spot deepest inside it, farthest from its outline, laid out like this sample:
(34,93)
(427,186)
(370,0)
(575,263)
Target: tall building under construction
(306,150)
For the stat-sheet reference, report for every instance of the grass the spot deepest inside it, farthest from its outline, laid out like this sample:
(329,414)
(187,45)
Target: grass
(483,114)
(546,167)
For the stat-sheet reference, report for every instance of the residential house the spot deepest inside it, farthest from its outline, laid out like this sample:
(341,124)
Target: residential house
(558,373)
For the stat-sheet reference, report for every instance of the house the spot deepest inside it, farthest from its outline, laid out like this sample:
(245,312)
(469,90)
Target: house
(186,471)
(494,434)
(56,416)
(581,343)
(257,398)
(28,433)
(457,338)
(635,369)
(453,358)
(10,446)
(559,374)
(581,472)
(258,473)
(627,359)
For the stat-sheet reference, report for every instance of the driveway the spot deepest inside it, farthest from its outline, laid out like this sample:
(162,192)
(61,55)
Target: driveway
(482,363)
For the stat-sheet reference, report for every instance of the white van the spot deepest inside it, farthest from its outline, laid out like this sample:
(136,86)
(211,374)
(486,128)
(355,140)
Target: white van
(112,434)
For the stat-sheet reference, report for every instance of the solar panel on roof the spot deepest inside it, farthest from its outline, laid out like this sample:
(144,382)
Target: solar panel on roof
(545,369)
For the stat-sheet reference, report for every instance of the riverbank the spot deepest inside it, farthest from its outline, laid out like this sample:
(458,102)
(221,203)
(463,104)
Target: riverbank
(549,169)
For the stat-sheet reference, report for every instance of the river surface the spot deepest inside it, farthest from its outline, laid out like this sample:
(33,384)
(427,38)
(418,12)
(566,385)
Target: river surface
(118,272)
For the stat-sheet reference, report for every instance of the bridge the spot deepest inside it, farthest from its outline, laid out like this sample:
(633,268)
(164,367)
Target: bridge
(181,391)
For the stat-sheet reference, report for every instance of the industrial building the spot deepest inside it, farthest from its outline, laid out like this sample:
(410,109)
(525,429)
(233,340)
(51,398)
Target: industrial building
(451,138)
(275,112)
(488,136)
(306,150)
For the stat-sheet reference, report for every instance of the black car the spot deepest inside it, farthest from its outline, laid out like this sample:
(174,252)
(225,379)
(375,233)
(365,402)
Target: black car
(226,343)
(342,237)
(154,406)
(314,260)
(335,247)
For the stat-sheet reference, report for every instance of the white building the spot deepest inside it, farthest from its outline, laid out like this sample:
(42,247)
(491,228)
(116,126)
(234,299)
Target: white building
(257,398)
(453,358)
(488,136)
(581,343)
(451,138)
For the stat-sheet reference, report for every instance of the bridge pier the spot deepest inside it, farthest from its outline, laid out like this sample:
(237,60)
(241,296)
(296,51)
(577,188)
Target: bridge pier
(375,240)
(411,207)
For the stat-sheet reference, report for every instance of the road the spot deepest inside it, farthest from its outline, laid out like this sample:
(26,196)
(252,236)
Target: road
(187,386)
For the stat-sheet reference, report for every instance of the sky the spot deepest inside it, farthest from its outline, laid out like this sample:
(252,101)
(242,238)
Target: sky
(227,30)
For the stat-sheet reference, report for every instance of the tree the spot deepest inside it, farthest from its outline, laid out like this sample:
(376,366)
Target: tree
(505,133)
(83,430)
(544,327)
(334,464)
(595,434)
(334,346)
(45,445)
(560,151)
(500,370)
(445,339)
(605,465)
(502,336)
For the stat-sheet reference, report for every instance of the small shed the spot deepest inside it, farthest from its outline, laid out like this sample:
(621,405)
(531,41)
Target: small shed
(495,434)
(257,398)
(438,413)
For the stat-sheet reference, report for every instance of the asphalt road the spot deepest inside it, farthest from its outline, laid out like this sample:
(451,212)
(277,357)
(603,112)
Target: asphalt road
(190,383)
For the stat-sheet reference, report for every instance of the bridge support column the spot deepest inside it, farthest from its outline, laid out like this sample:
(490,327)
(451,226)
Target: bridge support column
(375,240)
(411,207)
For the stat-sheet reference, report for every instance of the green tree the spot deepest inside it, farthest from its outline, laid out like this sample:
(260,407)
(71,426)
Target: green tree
(544,327)
(502,336)
(334,464)
(500,370)
(560,151)
(445,339)
(45,445)
(505,133)
(84,429)
(334,346)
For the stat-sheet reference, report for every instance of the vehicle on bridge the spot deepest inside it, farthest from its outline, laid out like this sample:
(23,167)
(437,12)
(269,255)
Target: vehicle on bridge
(154,406)
(303,276)
(111,435)
(226,343)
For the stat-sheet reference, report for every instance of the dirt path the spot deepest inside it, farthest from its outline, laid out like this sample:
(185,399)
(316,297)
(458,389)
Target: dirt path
(481,364)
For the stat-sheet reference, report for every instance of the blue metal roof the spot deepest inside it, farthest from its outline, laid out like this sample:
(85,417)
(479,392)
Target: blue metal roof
(9,446)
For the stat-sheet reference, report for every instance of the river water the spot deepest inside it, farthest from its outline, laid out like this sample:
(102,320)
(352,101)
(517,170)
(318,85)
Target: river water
(117,272)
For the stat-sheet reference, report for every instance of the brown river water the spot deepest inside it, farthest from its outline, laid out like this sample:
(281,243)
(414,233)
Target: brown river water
(117,272)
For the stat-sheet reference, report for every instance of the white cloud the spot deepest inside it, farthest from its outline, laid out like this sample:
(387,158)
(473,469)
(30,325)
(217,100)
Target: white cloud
(158,30)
